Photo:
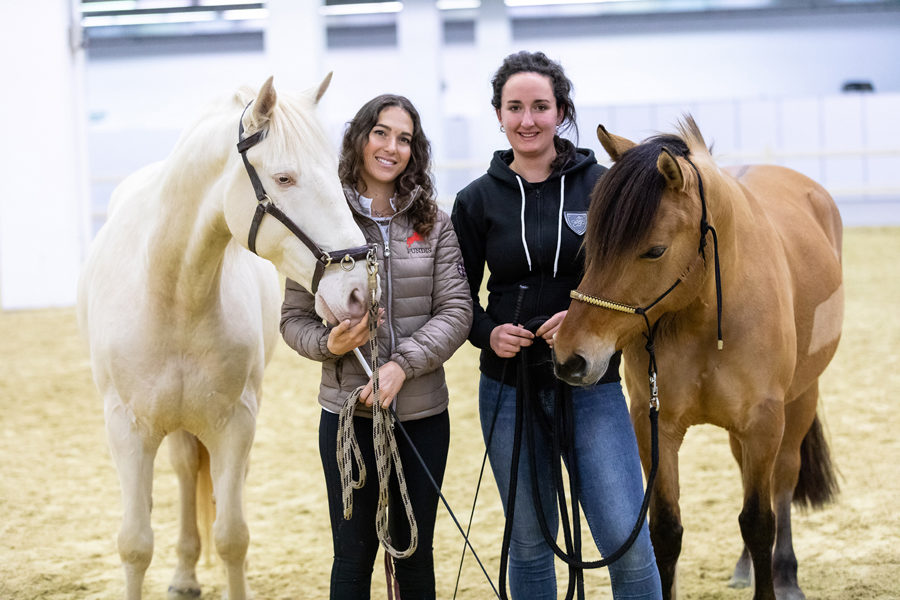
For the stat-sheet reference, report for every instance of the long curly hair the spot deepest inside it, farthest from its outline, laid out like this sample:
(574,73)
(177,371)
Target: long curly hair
(537,62)
(423,209)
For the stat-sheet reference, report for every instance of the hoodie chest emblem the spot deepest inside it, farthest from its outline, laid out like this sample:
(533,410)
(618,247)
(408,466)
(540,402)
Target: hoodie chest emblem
(577,221)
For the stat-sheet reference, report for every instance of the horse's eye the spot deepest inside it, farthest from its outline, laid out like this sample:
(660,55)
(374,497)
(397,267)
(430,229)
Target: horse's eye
(654,252)
(284,179)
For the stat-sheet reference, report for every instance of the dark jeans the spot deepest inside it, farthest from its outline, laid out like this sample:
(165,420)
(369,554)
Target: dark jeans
(355,541)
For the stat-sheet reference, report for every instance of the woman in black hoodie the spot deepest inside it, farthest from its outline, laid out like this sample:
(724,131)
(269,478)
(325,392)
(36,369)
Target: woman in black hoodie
(525,219)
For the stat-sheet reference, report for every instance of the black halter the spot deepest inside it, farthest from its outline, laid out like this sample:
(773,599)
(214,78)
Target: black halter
(346,258)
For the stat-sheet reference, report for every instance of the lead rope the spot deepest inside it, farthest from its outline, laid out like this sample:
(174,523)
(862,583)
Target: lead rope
(383,438)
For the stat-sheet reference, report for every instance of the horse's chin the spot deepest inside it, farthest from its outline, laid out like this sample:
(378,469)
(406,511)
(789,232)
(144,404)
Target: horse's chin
(333,317)
(325,312)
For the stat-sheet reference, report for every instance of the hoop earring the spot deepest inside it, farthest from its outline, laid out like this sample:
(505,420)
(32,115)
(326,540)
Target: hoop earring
(502,129)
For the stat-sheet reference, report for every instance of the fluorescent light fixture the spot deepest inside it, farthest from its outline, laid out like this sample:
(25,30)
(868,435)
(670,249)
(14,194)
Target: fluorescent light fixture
(514,3)
(229,2)
(246,14)
(363,8)
(458,4)
(89,7)
(148,19)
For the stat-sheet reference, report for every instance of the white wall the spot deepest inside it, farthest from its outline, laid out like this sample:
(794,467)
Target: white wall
(635,70)
(42,171)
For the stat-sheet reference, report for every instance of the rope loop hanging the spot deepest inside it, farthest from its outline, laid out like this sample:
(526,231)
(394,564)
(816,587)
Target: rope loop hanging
(387,456)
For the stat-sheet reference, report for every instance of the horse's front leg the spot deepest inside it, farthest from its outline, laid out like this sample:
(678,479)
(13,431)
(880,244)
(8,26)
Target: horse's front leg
(133,450)
(229,453)
(184,454)
(760,439)
(665,514)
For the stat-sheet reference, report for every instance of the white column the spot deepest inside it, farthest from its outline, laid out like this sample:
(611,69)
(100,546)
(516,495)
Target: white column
(44,212)
(295,43)
(493,39)
(420,38)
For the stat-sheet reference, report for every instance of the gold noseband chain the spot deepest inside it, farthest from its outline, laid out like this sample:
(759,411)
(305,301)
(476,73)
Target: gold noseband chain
(593,300)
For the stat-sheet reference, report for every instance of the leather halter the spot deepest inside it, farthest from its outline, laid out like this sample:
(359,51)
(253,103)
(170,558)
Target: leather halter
(346,258)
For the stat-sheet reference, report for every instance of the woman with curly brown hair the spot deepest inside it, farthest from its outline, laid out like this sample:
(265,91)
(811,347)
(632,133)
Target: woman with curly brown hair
(385,168)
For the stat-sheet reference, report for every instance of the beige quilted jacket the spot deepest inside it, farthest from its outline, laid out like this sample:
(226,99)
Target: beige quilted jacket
(428,313)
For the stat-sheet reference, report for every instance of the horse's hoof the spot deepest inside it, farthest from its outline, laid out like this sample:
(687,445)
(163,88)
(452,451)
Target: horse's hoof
(789,593)
(740,582)
(183,594)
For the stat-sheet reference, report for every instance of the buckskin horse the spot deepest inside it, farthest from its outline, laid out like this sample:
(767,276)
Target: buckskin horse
(181,319)
(678,250)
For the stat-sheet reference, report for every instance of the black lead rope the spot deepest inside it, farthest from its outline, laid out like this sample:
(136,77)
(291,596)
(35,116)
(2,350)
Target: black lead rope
(562,435)
(517,311)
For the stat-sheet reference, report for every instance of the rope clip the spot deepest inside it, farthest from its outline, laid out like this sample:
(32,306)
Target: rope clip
(654,392)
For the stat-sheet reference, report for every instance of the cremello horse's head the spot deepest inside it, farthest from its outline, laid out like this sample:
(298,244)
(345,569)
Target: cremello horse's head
(298,170)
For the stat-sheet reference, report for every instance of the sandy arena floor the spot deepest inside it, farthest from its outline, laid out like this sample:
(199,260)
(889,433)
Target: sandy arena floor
(59,495)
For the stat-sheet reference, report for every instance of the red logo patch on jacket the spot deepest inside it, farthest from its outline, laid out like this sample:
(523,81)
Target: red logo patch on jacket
(415,237)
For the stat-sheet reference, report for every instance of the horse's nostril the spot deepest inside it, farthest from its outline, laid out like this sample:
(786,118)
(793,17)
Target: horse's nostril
(357,302)
(574,368)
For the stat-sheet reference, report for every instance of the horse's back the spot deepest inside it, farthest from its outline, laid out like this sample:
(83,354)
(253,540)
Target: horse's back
(795,204)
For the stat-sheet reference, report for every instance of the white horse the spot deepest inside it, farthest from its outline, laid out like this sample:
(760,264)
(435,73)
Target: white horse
(181,319)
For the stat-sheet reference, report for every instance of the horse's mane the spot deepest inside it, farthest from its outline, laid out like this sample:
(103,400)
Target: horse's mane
(294,123)
(211,139)
(625,200)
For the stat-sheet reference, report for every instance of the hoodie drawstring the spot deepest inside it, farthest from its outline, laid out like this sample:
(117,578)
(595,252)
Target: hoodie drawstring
(522,220)
(562,198)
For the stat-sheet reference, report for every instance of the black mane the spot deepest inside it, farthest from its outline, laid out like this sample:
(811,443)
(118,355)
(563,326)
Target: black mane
(626,198)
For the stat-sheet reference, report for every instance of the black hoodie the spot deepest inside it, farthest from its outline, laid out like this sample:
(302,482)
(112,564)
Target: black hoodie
(548,256)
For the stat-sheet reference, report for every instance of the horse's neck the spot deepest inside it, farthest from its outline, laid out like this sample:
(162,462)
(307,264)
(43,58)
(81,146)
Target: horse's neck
(189,236)
(187,255)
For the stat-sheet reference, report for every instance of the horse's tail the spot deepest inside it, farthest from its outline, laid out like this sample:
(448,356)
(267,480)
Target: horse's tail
(206,506)
(817,483)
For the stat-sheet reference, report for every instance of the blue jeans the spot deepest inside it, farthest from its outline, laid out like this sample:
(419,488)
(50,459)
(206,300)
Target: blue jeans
(610,488)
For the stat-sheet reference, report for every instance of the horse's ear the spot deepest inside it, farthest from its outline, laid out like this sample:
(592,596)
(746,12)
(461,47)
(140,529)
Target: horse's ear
(614,145)
(265,103)
(323,86)
(671,170)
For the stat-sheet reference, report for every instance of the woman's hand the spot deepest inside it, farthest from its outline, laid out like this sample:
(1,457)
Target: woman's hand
(390,380)
(344,338)
(508,339)
(550,327)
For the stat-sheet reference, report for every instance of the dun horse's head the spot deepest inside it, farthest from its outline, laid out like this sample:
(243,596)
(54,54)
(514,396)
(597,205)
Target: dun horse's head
(642,238)
(285,150)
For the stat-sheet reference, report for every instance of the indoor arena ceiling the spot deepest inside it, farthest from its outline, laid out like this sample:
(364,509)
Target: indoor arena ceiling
(163,18)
